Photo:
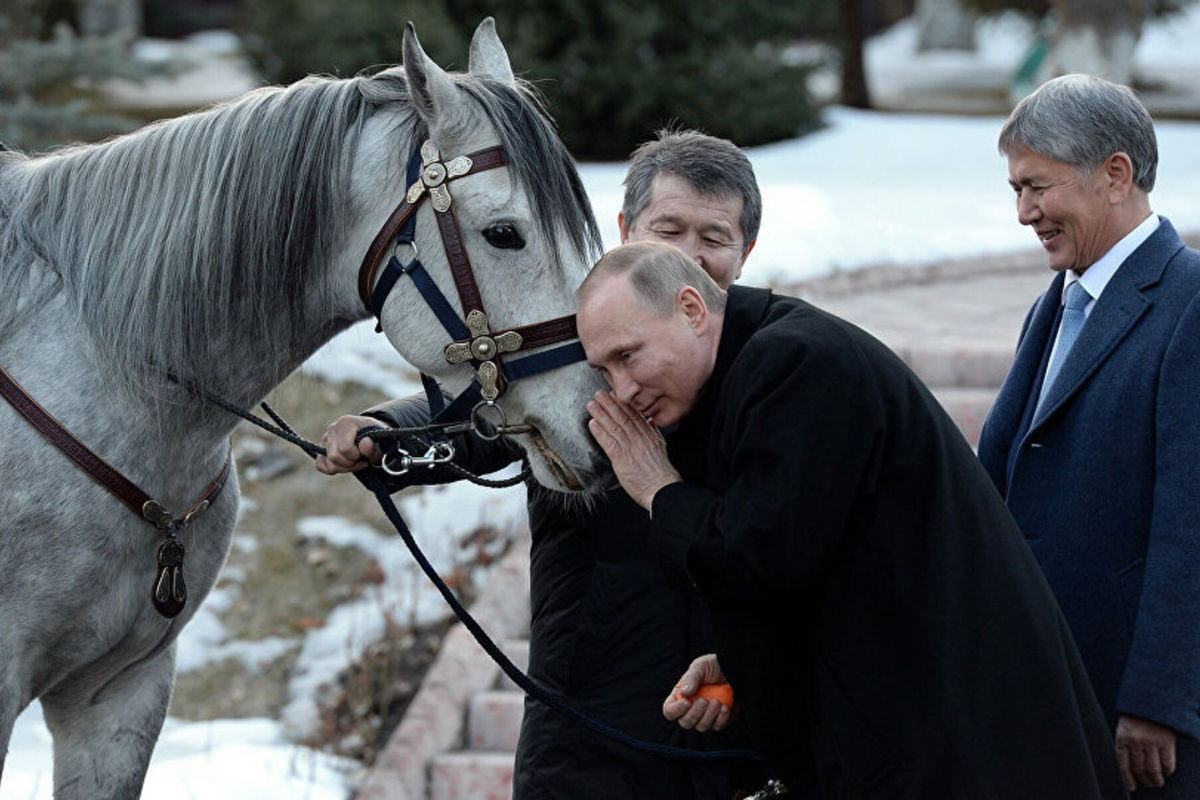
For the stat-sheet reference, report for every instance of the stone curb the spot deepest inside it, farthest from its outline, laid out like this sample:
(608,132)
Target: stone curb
(879,277)
(435,721)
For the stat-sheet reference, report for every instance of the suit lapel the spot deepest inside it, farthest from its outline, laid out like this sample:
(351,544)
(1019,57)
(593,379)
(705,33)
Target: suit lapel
(1110,321)
(1009,409)
(1121,305)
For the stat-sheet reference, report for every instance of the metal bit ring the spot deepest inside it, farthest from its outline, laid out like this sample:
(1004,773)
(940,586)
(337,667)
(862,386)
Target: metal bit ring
(497,428)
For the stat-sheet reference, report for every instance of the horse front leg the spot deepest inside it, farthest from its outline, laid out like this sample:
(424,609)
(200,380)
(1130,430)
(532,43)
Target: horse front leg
(103,739)
(8,717)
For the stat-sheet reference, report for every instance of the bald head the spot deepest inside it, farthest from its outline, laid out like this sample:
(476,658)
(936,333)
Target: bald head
(656,272)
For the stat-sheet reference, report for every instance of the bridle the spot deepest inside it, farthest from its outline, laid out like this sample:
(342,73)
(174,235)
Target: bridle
(474,341)
(472,338)
(169,591)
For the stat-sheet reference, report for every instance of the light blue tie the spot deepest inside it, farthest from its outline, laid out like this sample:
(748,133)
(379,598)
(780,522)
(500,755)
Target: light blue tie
(1072,321)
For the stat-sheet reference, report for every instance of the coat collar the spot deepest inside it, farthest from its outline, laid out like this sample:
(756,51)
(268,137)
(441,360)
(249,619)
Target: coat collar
(745,308)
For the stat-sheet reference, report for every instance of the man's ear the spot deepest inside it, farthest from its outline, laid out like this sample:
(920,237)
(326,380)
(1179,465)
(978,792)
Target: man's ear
(623,227)
(745,255)
(694,309)
(1118,176)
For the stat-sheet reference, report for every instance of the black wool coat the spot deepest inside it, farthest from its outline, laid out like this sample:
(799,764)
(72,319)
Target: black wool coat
(885,627)
(609,635)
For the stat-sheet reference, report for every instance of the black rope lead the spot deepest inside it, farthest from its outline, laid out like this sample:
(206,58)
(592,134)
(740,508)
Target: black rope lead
(370,479)
(372,482)
(385,436)
(282,430)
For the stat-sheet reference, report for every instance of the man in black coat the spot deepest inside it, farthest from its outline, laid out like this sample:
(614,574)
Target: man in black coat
(607,632)
(886,630)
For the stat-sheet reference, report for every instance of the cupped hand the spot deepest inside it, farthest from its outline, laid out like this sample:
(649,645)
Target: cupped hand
(633,445)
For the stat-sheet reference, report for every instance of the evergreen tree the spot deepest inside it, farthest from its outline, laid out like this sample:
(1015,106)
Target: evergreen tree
(48,86)
(286,40)
(612,71)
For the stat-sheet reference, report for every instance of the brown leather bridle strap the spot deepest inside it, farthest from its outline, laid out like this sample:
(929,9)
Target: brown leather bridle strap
(487,158)
(379,245)
(53,431)
(217,484)
(481,160)
(460,263)
(96,467)
(552,331)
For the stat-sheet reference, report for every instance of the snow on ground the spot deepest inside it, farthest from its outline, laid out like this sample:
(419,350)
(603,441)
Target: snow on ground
(436,517)
(869,188)
(226,759)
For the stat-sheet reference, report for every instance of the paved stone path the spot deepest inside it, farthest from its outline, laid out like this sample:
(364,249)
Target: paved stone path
(967,304)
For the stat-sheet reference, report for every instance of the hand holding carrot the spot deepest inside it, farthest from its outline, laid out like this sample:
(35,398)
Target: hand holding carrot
(702,700)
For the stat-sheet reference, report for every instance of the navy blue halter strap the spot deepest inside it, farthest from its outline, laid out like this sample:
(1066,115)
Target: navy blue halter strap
(432,295)
(460,407)
(526,366)
(393,271)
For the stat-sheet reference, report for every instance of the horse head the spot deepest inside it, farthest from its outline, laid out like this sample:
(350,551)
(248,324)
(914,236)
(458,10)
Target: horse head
(493,194)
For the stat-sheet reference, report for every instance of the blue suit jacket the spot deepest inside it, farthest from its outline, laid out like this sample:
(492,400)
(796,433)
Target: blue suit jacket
(1105,484)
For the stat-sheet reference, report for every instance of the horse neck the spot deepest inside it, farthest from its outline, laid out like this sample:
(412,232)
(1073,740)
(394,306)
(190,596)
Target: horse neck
(54,353)
(209,246)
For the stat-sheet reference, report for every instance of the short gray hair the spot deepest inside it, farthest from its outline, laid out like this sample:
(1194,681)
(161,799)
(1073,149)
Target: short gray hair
(711,166)
(657,272)
(1081,120)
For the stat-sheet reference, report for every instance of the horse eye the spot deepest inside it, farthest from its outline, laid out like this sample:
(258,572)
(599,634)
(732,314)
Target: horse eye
(504,236)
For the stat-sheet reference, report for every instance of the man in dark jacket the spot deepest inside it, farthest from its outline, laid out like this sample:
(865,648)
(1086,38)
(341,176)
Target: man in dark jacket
(607,632)
(886,630)
(1100,463)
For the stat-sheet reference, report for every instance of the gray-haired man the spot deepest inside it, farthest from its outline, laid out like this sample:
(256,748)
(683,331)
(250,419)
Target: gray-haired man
(607,632)
(1094,439)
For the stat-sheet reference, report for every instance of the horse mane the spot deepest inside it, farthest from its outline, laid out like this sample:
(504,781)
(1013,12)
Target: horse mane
(540,162)
(537,159)
(166,239)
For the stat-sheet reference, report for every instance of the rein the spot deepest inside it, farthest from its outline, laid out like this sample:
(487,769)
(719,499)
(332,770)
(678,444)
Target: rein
(437,454)
(369,478)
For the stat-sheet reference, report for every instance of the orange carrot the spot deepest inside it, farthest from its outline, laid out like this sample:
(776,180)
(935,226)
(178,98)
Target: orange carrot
(721,692)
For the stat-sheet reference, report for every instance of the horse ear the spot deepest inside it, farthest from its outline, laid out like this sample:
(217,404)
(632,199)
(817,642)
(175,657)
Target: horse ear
(435,97)
(488,57)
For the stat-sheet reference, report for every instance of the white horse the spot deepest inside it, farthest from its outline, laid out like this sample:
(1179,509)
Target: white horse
(224,247)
